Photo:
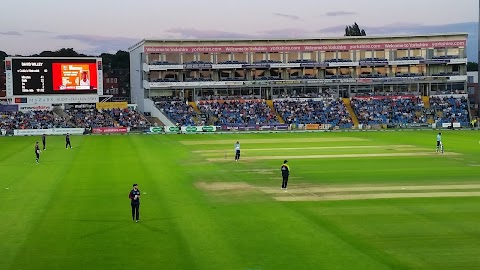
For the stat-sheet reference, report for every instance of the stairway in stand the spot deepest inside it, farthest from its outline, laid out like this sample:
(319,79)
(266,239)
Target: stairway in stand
(279,117)
(426,104)
(194,105)
(196,119)
(350,110)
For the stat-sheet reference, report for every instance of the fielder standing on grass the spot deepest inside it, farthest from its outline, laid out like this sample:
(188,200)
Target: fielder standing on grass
(285,173)
(134,196)
(67,141)
(44,141)
(237,151)
(439,142)
(37,152)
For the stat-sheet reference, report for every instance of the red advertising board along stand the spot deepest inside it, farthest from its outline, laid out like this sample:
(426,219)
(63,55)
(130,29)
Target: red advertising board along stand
(109,130)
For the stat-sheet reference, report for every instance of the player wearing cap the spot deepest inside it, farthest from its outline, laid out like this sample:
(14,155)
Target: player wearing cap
(134,196)
(285,173)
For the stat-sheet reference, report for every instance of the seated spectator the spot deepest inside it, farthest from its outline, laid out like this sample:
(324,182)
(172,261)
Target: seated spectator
(314,111)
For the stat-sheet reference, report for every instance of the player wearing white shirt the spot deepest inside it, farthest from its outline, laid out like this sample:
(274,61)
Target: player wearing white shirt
(439,142)
(237,151)
(84,81)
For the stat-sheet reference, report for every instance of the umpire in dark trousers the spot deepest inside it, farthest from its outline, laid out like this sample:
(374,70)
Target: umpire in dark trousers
(285,173)
(134,196)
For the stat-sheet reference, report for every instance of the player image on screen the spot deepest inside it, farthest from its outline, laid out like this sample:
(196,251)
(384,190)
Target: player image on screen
(74,76)
(84,80)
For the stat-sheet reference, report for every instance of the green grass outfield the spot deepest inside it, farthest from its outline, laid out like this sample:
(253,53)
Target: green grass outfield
(356,200)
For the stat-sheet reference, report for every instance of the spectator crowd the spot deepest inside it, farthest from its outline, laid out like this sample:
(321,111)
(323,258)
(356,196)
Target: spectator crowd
(314,111)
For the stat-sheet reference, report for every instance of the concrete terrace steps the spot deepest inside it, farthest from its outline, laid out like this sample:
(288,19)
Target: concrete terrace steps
(279,117)
(350,110)
(195,107)
(426,102)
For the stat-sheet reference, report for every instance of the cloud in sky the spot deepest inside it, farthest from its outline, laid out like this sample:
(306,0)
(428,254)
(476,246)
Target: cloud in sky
(38,31)
(340,13)
(191,33)
(10,33)
(287,16)
(99,44)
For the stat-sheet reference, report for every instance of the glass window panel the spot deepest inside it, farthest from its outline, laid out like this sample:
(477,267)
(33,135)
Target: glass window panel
(309,72)
(275,56)
(223,57)
(379,54)
(259,56)
(453,51)
(345,71)
(365,70)
(401,53)
(330,55)
(172,57)
(240,74)
(330,71)
(439,52)
(308,56)
(365,54)
(344,55)
(240,57)
(380,70)
(292,56)
(188,57)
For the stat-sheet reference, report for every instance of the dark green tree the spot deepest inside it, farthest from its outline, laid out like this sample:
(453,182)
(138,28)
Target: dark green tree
(472,66)
(354,30)
(2,56)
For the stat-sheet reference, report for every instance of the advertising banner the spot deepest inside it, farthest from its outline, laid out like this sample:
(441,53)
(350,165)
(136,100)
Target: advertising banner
(32,132)
(81,106)
(112,105)
(61,99)
(303,47)
(39,107)
(156,129)
(172,129)
(63,131)
(190,129)
(312,126)
(9,108)
(110,130)
(282,127)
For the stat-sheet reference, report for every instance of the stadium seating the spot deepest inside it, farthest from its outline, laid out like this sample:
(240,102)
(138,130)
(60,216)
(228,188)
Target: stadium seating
(303,61)
(448,108)
(27,120)
(163,63)
(239,112)
(321,111)
(336,60)
(177,110)
(389,110)
(232,62)
(409,58)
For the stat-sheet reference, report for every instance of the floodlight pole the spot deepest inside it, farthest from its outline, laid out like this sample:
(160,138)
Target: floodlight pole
(478,62)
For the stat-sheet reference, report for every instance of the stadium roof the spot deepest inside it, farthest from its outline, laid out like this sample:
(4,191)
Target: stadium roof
(160,40)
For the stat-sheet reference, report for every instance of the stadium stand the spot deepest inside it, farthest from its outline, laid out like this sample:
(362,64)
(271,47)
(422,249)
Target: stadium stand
(448,108)
(177,110)
(395,110)
(314,111)
(239,112)
(27,120)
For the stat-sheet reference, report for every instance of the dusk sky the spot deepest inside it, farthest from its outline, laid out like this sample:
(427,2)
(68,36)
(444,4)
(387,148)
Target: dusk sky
(94,26)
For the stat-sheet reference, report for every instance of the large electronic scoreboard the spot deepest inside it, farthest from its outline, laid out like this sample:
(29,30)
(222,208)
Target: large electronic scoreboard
(37,76)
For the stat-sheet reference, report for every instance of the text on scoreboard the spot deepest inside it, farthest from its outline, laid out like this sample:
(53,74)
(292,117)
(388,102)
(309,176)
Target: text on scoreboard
(55,76)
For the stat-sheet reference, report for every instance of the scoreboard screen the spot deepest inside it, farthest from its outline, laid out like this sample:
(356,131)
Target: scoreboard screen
(50,76)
